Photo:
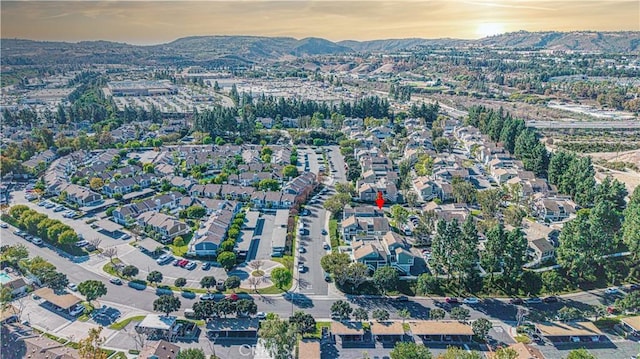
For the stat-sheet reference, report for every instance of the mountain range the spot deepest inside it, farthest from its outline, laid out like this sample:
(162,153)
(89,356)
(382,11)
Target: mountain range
(223,50)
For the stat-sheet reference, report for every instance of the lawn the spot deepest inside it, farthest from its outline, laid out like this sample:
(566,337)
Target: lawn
(121,324)
(109,268)
(333,234)
(318,333)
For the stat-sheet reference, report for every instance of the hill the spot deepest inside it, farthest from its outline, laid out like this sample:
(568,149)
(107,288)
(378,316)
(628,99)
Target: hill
(244,50)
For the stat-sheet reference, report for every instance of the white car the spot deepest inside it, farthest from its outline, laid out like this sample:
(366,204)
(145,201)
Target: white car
(3,225)
(612,290)
(471,300)
(82,243)
(302,268)
(261,315)
(77,310)
(72,286)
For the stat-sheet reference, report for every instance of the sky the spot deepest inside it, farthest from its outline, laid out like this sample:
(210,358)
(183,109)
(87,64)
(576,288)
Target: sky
(152,22)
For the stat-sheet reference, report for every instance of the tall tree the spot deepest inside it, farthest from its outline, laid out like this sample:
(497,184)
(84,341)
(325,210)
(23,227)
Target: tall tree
(89,347)
(386,278)
(279,337)
(166,304)
(92,289)
(304,322)
(409,350)
(631,225)
(494,252)
(191,353)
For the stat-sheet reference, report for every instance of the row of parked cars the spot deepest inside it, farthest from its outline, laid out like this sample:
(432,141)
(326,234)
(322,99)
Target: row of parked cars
(33,239)
(58,208)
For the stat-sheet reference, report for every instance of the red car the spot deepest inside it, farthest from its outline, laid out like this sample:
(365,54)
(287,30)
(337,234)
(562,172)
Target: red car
(183,263)
(452,300)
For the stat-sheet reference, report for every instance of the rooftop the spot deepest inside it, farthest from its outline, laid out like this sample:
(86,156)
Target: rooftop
(557,329)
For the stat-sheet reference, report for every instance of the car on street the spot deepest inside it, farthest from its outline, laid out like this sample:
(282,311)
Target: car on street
(208,296)
(402,298)
(18,233)
(326,246)
(634,287)
(471,300)
(301,249)
(261,315)
(534,300)
(190,265)
(550,299)
(301,268)
(3,225)
(125,236)
(82,243)
(72,286)
(206,265)
(116,281)
(452,300)
(37,241)
(324,232)
(188,294)
(612,290)
(516,301)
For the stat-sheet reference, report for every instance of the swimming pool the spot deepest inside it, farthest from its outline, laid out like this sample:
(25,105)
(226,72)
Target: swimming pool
(4,278)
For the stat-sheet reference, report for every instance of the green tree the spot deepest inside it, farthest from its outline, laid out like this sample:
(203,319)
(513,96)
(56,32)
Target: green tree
(427,284)
(227,246)
(180,282)
(14,254)
(481,327)
(269,184)
(54,280)
(386,278)
(360,314)
(178,241)
(553,282)
(459,353)
(304,323)
(437,314)
(494,251)
(154,277)
(166,304)
(148,168)
(409,350)
(68,237)
(399,214)
(92,289)
(463,191)
(380,315)
(341,309)
(281,277)
(631,226)
(629,302)
(460,314)
(96,183)
(404,314)
(290,171)
(505,353)
(191,353)
(227,260)
(90,347)
(337,202)
(334,260)
(489,201)
(5,297)
(130,271)
(279,337)
(246,307)
(580,354)
(232,282)
(207,282)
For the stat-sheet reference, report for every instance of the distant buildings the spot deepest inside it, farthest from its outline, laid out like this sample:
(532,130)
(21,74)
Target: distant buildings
(141,88)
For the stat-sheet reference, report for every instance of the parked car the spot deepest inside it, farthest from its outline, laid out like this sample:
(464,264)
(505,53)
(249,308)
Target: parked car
(550,299)
(125,236)
(301,268)
(634,287)
(58,209)
(208,296)
(116,281)
(188,294)
(301,249)
(79,308)
(324,232)
(612,290)
(72,286)
(165,258)
(82,243)
(190,265)
(402,298)
(261,315)
(175,262)
(183,263)
(471,300)
(37,241)
(206,265)
(452,300)
(534,300)
(516,301)
(3,225)
(41,203)
(326,246)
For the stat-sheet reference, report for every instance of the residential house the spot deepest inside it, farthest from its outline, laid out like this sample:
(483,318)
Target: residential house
(165,225)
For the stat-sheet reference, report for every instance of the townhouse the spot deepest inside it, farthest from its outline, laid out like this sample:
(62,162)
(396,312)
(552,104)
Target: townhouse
(167,226)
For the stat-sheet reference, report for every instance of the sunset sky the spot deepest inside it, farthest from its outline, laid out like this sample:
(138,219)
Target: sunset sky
(151,22)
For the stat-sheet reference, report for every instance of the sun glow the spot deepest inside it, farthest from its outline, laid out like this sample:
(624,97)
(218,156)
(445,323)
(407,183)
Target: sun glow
(489,29)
